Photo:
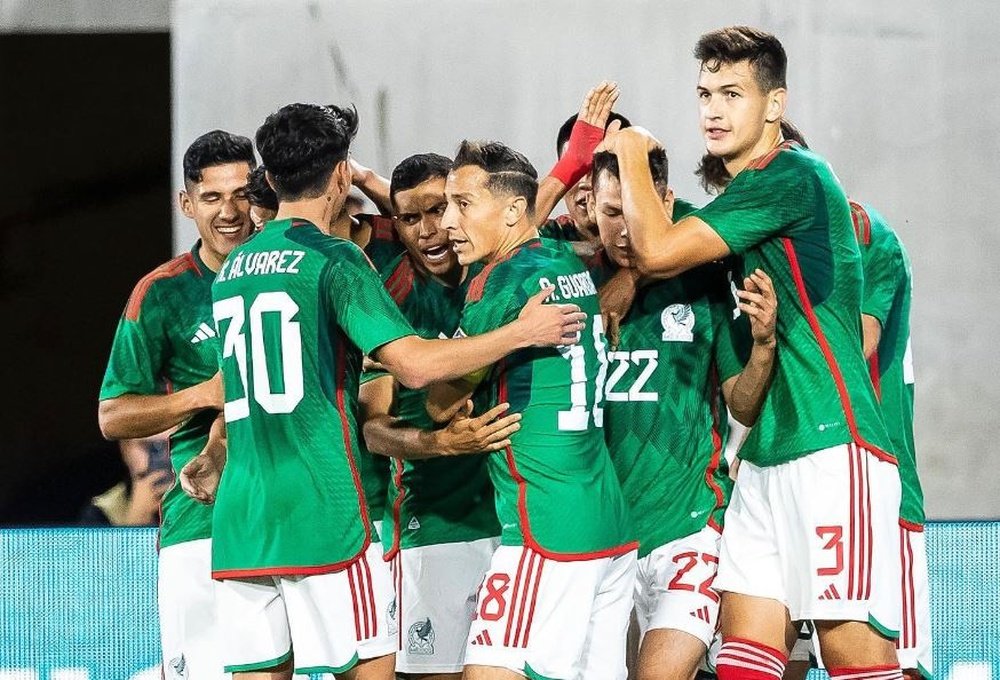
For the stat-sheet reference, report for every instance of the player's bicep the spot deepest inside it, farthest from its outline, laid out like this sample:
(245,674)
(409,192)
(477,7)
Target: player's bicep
(871,329)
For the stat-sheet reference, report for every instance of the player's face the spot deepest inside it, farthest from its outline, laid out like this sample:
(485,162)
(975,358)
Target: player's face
(733,110)
(418,222)
(576,202)
(260,216)
(474,216)
(219,207)
(611,220)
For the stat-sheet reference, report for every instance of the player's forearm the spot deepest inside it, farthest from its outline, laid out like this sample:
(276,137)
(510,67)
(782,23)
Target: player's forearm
(418,362)
(550,192)
(133,416)
(390,436)
(746,397)
(375,187)
(645,214)
(218,445)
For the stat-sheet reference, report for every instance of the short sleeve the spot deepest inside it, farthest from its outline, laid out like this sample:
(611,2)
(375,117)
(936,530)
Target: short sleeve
(363,308)
(884,269)
(138,353)
(763,203)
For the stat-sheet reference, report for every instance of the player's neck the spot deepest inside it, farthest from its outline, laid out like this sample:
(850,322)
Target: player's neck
(515,237)
(770,139)
(318,211)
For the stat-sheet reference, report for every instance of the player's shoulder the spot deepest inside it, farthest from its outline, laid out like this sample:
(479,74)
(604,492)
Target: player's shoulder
(682,208)
(381,226)
(168,274)
(399,277)
(789,156)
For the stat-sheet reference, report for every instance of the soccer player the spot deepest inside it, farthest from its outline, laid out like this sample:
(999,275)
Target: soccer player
(812,530)
(296,309)
(440,522)
(555,602)
(263,201)
(577,225)
(885,310)
(682,348)
(163,373)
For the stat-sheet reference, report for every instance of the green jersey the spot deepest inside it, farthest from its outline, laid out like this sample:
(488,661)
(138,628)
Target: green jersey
(664,416)
(166,342)
(888,288)
(786,214)
(438,500)
(295,311)
(556,489)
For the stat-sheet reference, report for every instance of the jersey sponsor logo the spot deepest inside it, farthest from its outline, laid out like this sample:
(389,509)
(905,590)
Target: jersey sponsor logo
(203,333)
(647,359)
(420,638)
(678,323)
(263,262)
(178,667)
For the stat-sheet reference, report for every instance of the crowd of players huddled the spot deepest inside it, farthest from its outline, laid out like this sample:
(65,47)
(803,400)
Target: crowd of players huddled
(462,439)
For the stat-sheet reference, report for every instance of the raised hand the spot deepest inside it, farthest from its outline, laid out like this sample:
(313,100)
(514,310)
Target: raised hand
(485,433)
(759,302)
(598,103)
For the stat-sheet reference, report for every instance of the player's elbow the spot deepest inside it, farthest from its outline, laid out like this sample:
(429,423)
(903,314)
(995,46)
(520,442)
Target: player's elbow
(109,422)
(652,267)
(415,377)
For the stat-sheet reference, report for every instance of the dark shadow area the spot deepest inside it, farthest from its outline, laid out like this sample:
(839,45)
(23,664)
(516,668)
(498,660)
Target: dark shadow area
(85,134)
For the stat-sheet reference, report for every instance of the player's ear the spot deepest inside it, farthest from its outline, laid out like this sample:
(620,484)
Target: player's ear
(776,100)
(516,208)
(592,207)
(185,203)
(340,179)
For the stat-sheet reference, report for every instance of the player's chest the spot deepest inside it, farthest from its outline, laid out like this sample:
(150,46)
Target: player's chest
(193,338)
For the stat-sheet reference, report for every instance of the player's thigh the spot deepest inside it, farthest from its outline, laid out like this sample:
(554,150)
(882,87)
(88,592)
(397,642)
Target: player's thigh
(475,672)
(846,644)
(378,668)
(759,619)
(429,676)
(533,614)
(436,590)
(669,654)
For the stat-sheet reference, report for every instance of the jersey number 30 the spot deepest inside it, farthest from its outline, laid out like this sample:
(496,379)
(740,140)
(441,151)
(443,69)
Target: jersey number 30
(288,339)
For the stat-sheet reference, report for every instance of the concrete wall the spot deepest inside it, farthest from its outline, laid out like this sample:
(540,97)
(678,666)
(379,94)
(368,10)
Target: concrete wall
(900,96)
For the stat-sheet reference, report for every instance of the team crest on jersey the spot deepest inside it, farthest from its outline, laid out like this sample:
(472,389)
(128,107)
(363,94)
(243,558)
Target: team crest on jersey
(414,524)
(178,667)
(678,323)
(420,639)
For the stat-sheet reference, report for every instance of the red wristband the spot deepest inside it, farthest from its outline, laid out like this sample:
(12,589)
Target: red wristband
(579,155)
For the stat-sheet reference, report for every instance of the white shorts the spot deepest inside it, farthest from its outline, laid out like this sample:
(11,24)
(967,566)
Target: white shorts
(332,620)
(914,644)
(819,534)
(673,586)
(558,620)
(435,601)
(188,626)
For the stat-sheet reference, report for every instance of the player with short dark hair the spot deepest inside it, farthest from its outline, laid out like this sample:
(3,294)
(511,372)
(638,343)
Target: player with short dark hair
(685,351)
(263,200)
(798,544)
(163,374)
(296,307)
(556,599)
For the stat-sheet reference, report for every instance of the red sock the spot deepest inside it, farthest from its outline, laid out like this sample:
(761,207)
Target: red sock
(886,672)
(742,659)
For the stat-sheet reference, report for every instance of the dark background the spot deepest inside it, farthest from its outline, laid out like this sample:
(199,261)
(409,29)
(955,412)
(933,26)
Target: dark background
(85,143)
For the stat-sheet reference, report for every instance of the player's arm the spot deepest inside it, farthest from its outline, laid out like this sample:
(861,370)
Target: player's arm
(576,161)
(133,416)
(417,362)
(662,249)
(871,329)
(200,476)
(388,435)
(745,392)
(372,185)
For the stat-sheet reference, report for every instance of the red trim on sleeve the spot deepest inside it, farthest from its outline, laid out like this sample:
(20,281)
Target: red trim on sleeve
(862,223)
(167,270)
(382,228)
(911,526)
(400,282)
(762,162)
(831,361)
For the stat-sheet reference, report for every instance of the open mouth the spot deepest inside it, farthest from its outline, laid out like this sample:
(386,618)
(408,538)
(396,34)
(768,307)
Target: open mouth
(715,132)
(435,253)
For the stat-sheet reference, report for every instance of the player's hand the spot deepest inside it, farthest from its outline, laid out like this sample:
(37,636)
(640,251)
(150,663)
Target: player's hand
(597,105)
(200,478)
(369,365)
(759,302)
(359,173)
(541,325)
(616,297)
(488,432)
(639,136)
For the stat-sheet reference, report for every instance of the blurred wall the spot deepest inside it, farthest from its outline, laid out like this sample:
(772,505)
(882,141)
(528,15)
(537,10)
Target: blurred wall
(899,95)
